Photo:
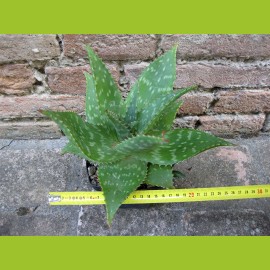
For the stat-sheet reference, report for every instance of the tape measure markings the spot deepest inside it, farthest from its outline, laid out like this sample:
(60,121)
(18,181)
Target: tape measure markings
(164,196)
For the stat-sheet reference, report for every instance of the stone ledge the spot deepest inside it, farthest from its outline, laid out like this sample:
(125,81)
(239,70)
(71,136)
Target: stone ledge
(30,169)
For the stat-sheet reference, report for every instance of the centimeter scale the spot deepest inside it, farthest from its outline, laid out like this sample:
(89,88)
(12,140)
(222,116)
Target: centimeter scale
(165,196)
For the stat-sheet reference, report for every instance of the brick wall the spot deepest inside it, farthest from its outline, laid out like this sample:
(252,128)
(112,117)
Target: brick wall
(46,71)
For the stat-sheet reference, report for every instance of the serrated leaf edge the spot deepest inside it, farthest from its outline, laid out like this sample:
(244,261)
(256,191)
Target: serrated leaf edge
(107,218)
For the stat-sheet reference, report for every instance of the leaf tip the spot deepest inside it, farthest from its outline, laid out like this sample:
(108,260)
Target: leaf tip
(44,112)
(87,75)
(231,144)
(175,47)
(194,87)
(88,48)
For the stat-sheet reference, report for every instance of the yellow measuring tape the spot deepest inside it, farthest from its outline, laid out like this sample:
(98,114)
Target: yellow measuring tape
(165,196)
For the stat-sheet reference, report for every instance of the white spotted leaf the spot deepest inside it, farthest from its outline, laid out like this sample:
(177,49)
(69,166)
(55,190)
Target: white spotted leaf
(158,78)
(118,180)
(152,113)
(138,144)
(160,176)
(165,120)
(107,92)
(95,142)
(92,108)
(73,149)
(119,125)
(181,144)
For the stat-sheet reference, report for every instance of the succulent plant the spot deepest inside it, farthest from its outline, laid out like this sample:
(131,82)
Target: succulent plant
(132,140)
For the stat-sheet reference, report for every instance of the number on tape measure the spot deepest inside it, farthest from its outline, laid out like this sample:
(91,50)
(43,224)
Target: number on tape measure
(164,196)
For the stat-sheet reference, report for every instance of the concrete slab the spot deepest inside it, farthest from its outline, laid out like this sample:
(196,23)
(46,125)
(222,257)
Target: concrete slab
(44,220)
(150,220)
(245,164)
(231,223)
(30,169)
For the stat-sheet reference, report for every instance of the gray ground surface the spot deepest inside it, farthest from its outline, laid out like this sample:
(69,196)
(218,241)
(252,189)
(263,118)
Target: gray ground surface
(30,169)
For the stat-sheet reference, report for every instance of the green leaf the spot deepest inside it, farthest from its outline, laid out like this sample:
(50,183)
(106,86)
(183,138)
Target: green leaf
(120,126)
(94,115)
(132,146)
(92,109)
(107,92)
(131,114)
(150,115)
(160,176)
(158,78)
(153,111)
(138,144)
(118,180)
(181,144)
(72,149)
(133,127)
(95,142)
(178,174)
(165,121)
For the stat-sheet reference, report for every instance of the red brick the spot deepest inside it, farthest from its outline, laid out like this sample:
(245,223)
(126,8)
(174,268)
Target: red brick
(133,71)
(232,124)
(70,80)
(16,79)
(111,47)
(28,47)
(243,101)
(186,122)
(209,75)
(218,46)
(29,130)
(195,103)
(28,106)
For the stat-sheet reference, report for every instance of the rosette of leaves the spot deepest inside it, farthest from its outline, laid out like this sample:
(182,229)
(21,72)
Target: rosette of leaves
(132,140)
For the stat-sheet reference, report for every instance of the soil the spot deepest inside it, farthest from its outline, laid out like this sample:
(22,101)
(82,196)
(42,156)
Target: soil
(92,175)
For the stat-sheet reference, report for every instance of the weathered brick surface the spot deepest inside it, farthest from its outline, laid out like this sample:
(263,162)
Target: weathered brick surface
(186,122)
(218,46)
(16,79)
(232,124)
(28,106)
(195,103)
(111,47)
(71,80)
(210,61)
(133,71)
(28,47)
(211,74)
(243,101)
(29,130)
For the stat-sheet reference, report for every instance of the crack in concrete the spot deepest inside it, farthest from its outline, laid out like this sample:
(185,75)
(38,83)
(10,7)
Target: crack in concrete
(7,145)
(35,208)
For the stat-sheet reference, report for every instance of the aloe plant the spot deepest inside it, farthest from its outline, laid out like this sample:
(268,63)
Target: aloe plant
(132,140)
